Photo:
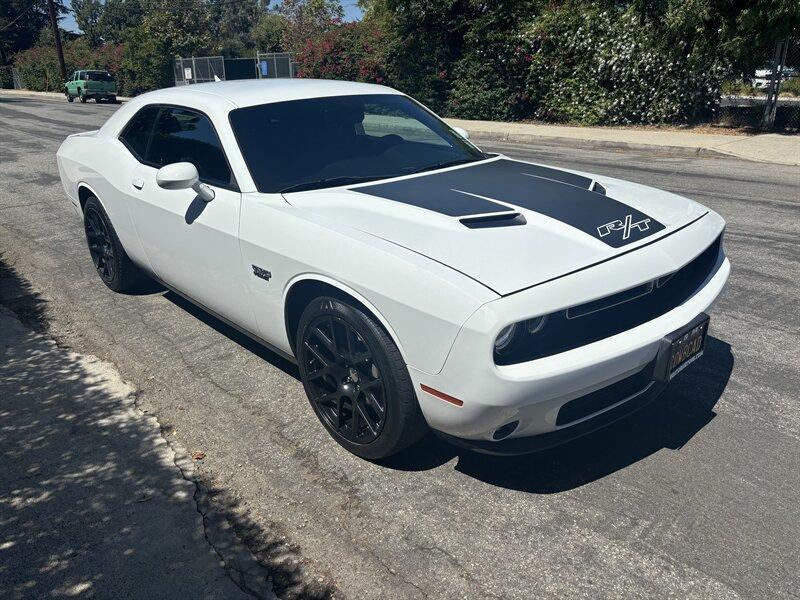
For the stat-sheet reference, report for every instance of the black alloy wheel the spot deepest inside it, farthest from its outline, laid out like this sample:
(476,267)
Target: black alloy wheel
(356,379)
(101,245)
(347,389)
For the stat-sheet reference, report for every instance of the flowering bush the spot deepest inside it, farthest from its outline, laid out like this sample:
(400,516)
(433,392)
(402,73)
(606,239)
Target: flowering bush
(350,51)
(610,68)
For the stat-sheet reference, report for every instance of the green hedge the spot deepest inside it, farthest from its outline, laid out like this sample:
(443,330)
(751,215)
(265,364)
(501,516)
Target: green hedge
(609,68)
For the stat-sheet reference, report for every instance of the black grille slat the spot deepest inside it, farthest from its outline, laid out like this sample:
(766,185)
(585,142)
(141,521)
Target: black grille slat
(603,398)
(561,333)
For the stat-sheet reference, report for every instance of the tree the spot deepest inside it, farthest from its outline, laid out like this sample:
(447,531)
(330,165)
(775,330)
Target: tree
(307,19)
(163,35)
(233,24)
(268,33)
(20,24)
(117,17)
(425,39)
(87,16)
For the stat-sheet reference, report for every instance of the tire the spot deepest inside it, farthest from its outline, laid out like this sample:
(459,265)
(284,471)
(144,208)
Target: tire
(113,99)
(82,96)
(111,262)
(69,97)
(361,392)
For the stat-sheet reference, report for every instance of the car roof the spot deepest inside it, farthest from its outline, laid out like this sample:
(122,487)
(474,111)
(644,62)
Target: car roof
(249,92)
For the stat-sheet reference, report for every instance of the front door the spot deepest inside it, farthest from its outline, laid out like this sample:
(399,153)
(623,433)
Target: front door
(192,245)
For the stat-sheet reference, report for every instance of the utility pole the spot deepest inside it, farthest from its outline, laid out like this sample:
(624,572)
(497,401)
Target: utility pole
(57,35)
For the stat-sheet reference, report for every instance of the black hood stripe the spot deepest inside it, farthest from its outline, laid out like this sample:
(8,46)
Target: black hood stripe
(550,192)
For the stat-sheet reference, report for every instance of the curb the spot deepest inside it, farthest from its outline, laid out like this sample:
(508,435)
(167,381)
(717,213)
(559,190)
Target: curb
(50,95)
(586,144)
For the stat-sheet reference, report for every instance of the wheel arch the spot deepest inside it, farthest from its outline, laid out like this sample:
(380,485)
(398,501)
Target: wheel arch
(304,288)
(85,192)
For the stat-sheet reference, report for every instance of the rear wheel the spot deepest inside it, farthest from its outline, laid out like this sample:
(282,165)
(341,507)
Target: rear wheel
(111,262)
(356,380)
(82,96)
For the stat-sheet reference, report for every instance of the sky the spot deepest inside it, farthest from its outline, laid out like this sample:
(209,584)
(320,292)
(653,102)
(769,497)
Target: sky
(351,13)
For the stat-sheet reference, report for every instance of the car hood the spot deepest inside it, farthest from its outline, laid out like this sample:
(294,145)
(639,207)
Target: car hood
(507,224)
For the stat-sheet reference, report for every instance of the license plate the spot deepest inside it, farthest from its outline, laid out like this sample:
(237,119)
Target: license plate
(681,348)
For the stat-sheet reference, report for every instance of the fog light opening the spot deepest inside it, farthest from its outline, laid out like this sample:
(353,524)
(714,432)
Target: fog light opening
(505,431)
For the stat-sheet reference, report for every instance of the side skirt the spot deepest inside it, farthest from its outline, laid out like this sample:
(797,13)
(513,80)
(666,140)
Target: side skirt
(230,323)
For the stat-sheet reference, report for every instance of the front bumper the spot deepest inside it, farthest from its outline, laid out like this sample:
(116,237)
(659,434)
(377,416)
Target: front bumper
(514,446)
(534,392)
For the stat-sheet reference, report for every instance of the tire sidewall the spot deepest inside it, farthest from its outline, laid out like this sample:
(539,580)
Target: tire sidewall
(93,204)
(396,381)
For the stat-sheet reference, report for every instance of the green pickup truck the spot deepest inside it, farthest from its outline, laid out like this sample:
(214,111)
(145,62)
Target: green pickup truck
(99,85)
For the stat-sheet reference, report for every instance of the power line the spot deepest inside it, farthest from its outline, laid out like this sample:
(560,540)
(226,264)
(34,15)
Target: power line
(22,14)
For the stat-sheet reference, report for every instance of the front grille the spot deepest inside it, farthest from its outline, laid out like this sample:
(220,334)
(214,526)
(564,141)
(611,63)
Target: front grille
(599,319)
(603,398)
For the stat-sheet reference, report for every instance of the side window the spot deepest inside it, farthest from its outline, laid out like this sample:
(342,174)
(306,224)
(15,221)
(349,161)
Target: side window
(184,135)
(136,134)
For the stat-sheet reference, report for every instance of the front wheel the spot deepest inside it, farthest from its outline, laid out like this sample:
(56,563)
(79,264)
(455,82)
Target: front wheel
(82,96)
(356,380)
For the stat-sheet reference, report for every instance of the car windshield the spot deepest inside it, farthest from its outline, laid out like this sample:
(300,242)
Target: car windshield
(325,142)
(95,76)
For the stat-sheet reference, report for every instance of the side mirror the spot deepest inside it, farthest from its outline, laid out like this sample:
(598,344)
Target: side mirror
(183,176)
(462,132)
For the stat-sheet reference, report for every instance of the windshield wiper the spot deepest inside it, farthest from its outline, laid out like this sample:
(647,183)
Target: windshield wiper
(330,182)
(442,165)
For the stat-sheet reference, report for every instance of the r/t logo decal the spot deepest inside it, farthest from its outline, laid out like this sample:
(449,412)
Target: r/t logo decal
(262,273)
(625,227)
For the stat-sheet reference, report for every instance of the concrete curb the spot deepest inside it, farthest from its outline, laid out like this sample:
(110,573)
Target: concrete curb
(587,144)
(52,95)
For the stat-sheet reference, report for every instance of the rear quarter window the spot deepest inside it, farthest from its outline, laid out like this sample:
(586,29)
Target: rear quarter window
(136,135)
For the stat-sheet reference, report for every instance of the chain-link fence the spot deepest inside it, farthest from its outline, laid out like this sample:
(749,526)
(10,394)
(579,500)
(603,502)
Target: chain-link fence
(271,65)
(9,78)
(266,65)
(770,98)
(199,69)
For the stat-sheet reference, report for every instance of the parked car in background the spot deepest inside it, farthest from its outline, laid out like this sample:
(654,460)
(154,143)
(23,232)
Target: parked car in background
(99,85)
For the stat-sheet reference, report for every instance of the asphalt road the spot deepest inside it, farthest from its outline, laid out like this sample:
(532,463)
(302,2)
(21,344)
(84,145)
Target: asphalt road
(697,496)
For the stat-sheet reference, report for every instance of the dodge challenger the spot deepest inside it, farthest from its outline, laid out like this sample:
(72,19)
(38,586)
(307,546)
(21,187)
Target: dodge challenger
(418,282)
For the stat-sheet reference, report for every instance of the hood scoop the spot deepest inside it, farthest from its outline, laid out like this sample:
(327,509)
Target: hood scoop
(502,220)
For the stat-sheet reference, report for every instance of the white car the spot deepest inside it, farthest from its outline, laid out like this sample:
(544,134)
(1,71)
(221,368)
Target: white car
(417,281)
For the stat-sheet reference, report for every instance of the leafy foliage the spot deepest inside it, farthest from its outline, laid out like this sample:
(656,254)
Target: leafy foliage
(607,67)
(163,34)
(117,18)
(20,24)
(350,51)
(87,16)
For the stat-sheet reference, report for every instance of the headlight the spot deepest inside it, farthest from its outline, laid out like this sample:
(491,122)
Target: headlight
(506,336)
(535,325)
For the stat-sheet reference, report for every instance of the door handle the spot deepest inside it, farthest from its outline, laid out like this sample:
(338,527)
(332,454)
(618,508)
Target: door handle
(138,183)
